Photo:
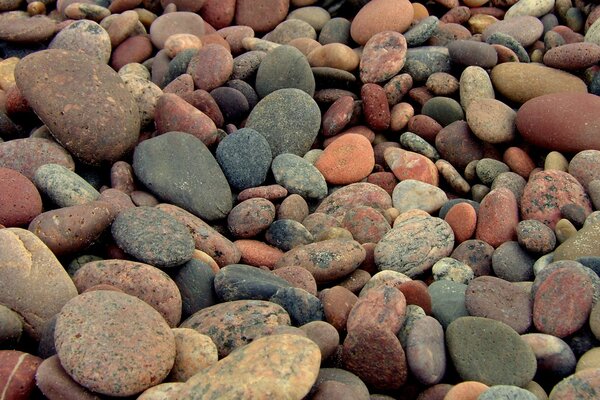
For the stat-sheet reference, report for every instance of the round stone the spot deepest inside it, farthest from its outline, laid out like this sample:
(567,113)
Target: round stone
(27,155)
(284,68)
(554,356)
(506,392)
(299,176)
(379,16)
(176,22)
(153,236)
(491,120)
(383,57)
(117,334)
(20,201)
(194,352)
(347,160)
(85,36)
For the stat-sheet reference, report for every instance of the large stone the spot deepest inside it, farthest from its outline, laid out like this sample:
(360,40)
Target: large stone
(278,367)
(32,280)
(179,168)
(113,343)
(97,119)
(574,129)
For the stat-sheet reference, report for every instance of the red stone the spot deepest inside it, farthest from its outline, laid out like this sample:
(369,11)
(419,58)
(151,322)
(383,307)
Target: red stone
(17,374)
(337,116)
(416,293)
(261,15)
(498,217)
(382,307)
(337,305)
(218,13)
(257,253)
(204,102)
(135,49)
(462,217)
(519,161)
(211,67)
(410,165)
(375,106)
(347,160)
(383,57)
(20,201)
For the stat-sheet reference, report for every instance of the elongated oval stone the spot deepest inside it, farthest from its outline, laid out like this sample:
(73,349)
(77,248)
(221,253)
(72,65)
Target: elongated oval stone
(92,114)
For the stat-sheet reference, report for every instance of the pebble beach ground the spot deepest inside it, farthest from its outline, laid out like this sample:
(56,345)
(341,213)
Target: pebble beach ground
(299,199)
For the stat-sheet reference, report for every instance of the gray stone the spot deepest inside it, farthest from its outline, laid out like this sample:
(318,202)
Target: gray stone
(85,36)
(284,67)
(63,186)
(302,306)
(299,176)
(425,60)
(448,301)
(244,282)
(195,282)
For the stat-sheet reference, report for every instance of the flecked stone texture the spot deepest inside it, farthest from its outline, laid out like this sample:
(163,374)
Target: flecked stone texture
(54,382)
(426,351)
(28,154)
(33,283)
(327,260)
(63,186)
(547,191)
(283,68)
(302,306)
(194,352)
(381,306)
(85,36)
(581,385)
(581,244)
(498,217)
(525,29)
(113,343)
(411,194)
(288,366)
(414,245)
(497,299)
(97,123)
(543,128)
(136,279)
(383,57)
(153,236)
(236,323)
(299,176)
(177,167)
(490,352)
(347,160)
(250,217)
(292,131)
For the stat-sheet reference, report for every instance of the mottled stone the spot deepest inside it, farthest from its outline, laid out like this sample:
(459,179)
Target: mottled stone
(194,352)
(94,332)
(383,57)
(470,52)
(581,385)
(85,36)
(27,155)
(491,120)
(97,123)
(299,176)
(448,268)
(29,267)
(525,29)
(327,260)
(177,22)
(195,281)
(286,234)
(495,298)
(489,351)
(17,374)
(165,162)
(412,194)
(20,201)
(423,61)
(63,186)
(302,306)
(535,237)
(425,351)
(19,27)
(243,282)
(379,16)
(457,145)
(382,306)
(507,392)
(498,217)
(234,324)
(287,364)
(554,356)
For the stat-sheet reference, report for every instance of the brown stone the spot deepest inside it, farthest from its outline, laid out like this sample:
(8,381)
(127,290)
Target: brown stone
(382,307)
(211,67)
(17,374)
(498,217)
(194,352)
(54,382)
(20,200)
(261,15)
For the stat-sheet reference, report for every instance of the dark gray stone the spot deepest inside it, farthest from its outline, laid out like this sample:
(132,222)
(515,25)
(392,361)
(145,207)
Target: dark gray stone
(425,60)
(285,234)
(444,110)
(245,65)
(423,30)
(244,282)
(178,65)
(302,306)
(511,43)
(245,88)
(512,263)
(232,102)
(11,327)
(470,52)
(153,237)
(179,168)
(282,68)
(195,282)
(245,157)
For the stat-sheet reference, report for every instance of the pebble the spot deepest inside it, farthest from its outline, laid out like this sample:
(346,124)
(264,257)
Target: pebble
(284,68)
(526,29)
(408,165)
(262,15)
(447,301)
(555,357)
(380,16)
(425,351)
(288,363)
(234,324)
(173,23)
(85,36)
(521,82)
(12,327)
(244,282)
(423,61)
(497,217)
(491,120)
(347,160)
(547,191)
(507,392)
(383,57)
(285,234)
(327,260)
(490,352)
(466,390)
(299,176)
(462,218)
(457,144)
(194,352)
(530,7)
(17,26)
(450,269)
(127,369)
(474,83)
(420,32)
(444,110)
(324,335)
(63,186)
(54,382)
(195,282)
(414,245)
(468,52)
(18,374)
(20,201)
(535,237)
(116,124)
(302,306)
(582,384)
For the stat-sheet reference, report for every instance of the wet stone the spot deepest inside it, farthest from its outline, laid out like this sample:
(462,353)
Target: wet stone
(153,237)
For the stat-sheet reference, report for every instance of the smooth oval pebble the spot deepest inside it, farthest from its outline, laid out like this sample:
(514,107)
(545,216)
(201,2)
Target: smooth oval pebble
(426,351)
(194,352)
(85,36)
(490,352)
(136,279)
(302,306)
(244,282)
(525,29)
(289,366)
(63,186)
(299,176)
(347,160)
(117,334)
(284,68)
(96,123)
(18,374)
(507,391)
(236,323)
(327,260)
(571,133)
(411,194)
(382,306)
(383,57)
(20,201)
(379,16)
(491,120)
(153,237)
(28,154)
(582,385)
(177,22)
(54,382)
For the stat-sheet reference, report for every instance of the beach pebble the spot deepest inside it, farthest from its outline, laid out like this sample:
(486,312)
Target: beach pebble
(85,36)
(498,217)
(462,218)
(347,160)
(53,381)
(447,301)
(425,351)
(450,269)
(302,306)
(490,352)
(262,15)
(507,392)
(574,385)
(28,154)
(491,120)
(194,352)
(195,282)
(535,237)
(63,186)
(20,201)
(526,29)
(383,57)
(118,354)
(18,374)
(244,282)
(284,68)
(555,357)
(236,323)
(78,108)
(379,16)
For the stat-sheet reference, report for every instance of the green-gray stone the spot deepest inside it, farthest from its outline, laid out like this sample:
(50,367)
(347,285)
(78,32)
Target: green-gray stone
(444,110)
(299,176)
(490,352)
(423,61)
(284,67)
(63,186)
(448,301)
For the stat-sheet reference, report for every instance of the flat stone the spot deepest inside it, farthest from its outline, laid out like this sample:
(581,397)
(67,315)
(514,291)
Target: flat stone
(383,57)
(490,352)
(235,324)
(136,279)
(96,123)
(412,194)
(291,368)
(382,15)
(195,281)
(284,68)
(469,52)
(28,154)
(39,294)
(525,29)
(163,163)
(127,325)
(19,27)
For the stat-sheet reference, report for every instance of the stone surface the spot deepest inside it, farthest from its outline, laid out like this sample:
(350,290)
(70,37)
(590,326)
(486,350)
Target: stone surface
(64,187)
(54,382)
(379,16)
(98,123)
(581,385)
(287,364)
(243,282)
(490,352)
(299,176)
(347,160)
(284,68)
(177,167)
(194,352)
(20,201)
(28,154)
(425,351)
(383,57)
(117,334)
(85,36)
(28,267)
(17,374)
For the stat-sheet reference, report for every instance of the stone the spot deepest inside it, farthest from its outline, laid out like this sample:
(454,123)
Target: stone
(299,176)
(54,382)
(85,36)
(284,68)
(236,323)
(11,327)
(425,351)
(211,67)
(382,306)
(490,352)
(547,191)
(28,267)
(250,217)
(169,24)
(243,282)
(582,385)
(491,120)
(195,281)
(286,234)
(498,217)
(165,162)
(379,16)
(20,201)
(457,145)
(521,82)
(448,268)
(535,237)
(408,165)
(469,52)
(529,7)
(462,218)
(444,110)
(423,61)
(554,356)
(136,279)
(497,299)
(194,352)
(340,376)
(63,186)
(292,131)
(414,245)
(17,374)
(525,29)
(118,334)
(97,124)
(347,160)
(19,27)
(411,194)
(291,368)
(324,335)
(28,154)
(327,260)
(542,128)
(383,57)
(507,392)
(137,232)
(447,301)
(302,306)
(145,94)
(262,15)
(366,224)
(337,303)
